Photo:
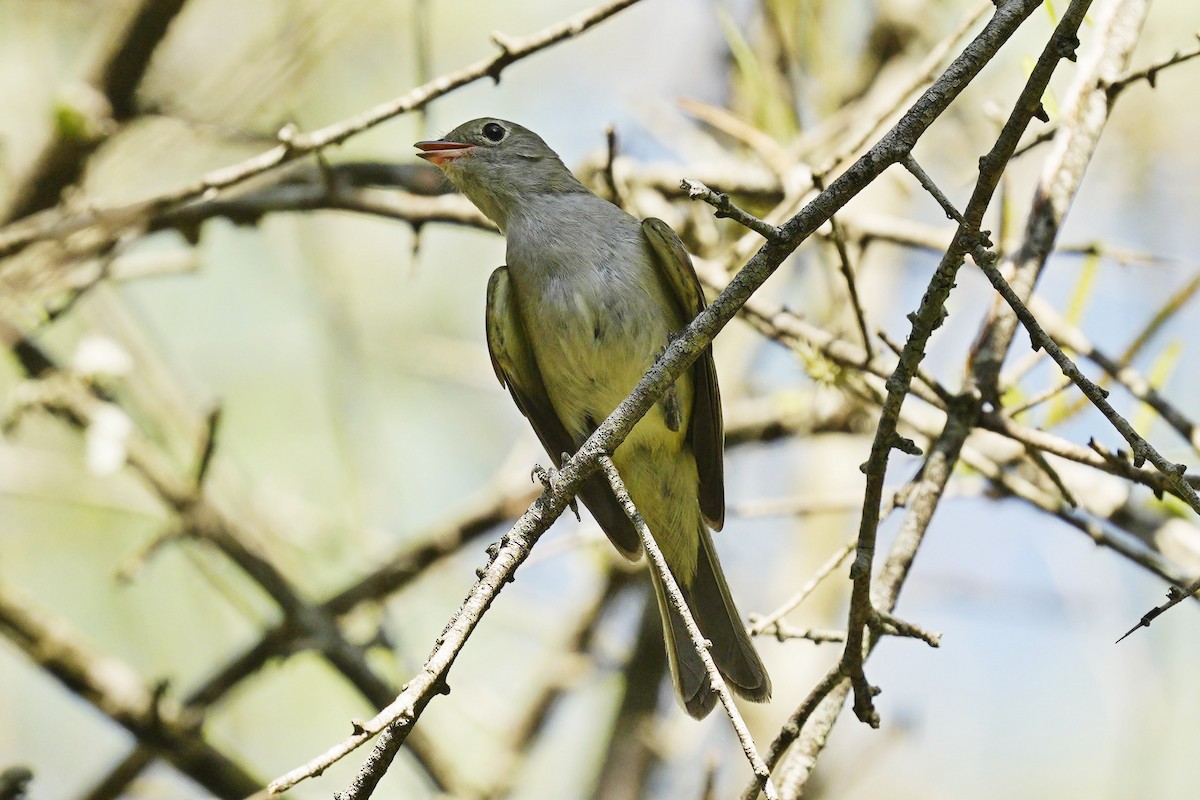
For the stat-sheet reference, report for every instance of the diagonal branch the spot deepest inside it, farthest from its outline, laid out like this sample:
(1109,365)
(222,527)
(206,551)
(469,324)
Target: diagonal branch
(117,690)
(294,145)
(400,716)
(115,78)
(659,563)
(678,355)
(925,320)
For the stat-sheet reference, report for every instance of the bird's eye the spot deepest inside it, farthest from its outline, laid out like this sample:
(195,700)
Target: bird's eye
(493,132)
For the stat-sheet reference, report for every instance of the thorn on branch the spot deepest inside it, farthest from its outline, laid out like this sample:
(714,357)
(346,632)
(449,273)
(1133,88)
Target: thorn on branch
(158,694)
(887,623)
(905,445)
(1067,45)
(1175,595)
(1139,455)
(864,696)
(727,210)
(287,135)
(983,238)
(505,42)
(211,422)
(508,47)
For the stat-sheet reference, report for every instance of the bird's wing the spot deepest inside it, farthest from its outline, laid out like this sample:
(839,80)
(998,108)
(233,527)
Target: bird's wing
(707,428)
(515,366)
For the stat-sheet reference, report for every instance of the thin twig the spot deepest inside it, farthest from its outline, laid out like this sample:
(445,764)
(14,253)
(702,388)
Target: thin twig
(659,563)
(839,243)
(294,145)
(1150,73)
(727,209)
(925,320)
(1175,596)
(610,160)
(927,183)
(765,624)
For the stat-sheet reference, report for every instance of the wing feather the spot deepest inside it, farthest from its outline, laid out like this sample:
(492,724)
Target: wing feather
(516,367)
(707,427)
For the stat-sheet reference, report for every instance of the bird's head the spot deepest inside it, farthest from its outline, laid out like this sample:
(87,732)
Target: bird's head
(497,164)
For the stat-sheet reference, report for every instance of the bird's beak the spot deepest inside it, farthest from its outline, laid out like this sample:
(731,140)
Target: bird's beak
(440,151)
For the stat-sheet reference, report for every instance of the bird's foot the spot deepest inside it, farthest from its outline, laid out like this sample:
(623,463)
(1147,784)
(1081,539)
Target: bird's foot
(549,479)
(670,400)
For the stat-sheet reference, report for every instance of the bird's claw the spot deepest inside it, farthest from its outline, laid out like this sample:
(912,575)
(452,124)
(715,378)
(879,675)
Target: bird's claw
(670,400)
(547,477)
(671,409)
(542,475)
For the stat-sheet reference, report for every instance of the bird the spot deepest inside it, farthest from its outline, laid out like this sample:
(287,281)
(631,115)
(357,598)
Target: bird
(587,300)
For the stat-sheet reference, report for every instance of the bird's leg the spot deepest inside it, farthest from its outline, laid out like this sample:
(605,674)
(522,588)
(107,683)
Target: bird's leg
(670,399)
(546,478)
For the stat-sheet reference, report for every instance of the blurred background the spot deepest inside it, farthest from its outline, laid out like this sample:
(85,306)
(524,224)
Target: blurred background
(360,419)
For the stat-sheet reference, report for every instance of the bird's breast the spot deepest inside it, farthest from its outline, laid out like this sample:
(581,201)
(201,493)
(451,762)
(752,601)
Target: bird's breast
(589,295)
(594,334)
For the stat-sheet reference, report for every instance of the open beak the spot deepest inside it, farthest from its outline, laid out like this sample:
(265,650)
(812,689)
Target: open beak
(440,151)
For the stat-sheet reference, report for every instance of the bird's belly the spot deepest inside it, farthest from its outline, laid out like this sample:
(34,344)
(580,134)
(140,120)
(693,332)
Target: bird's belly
(592,355)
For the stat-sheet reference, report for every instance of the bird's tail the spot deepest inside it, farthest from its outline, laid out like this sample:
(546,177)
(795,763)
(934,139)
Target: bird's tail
(707,595)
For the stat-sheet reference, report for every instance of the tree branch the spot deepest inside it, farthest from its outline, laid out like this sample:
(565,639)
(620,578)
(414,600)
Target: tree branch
(115,79)
(115,689)
(925,320)
(658,563)
(115,221)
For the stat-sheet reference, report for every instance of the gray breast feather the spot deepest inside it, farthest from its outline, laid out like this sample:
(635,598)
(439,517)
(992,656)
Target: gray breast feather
(589,296)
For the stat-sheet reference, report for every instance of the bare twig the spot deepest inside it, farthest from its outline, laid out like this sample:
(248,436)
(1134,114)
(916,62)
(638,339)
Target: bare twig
(769,623)
(294,145)
(114,78)
(726,209)
(923,178)
(117,690)
(1150,74)
(839,242)
(1175,596)
(659,563)
(610,159)
(924,321)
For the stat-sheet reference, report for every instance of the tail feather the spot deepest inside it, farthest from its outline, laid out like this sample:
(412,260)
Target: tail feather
(711,604)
